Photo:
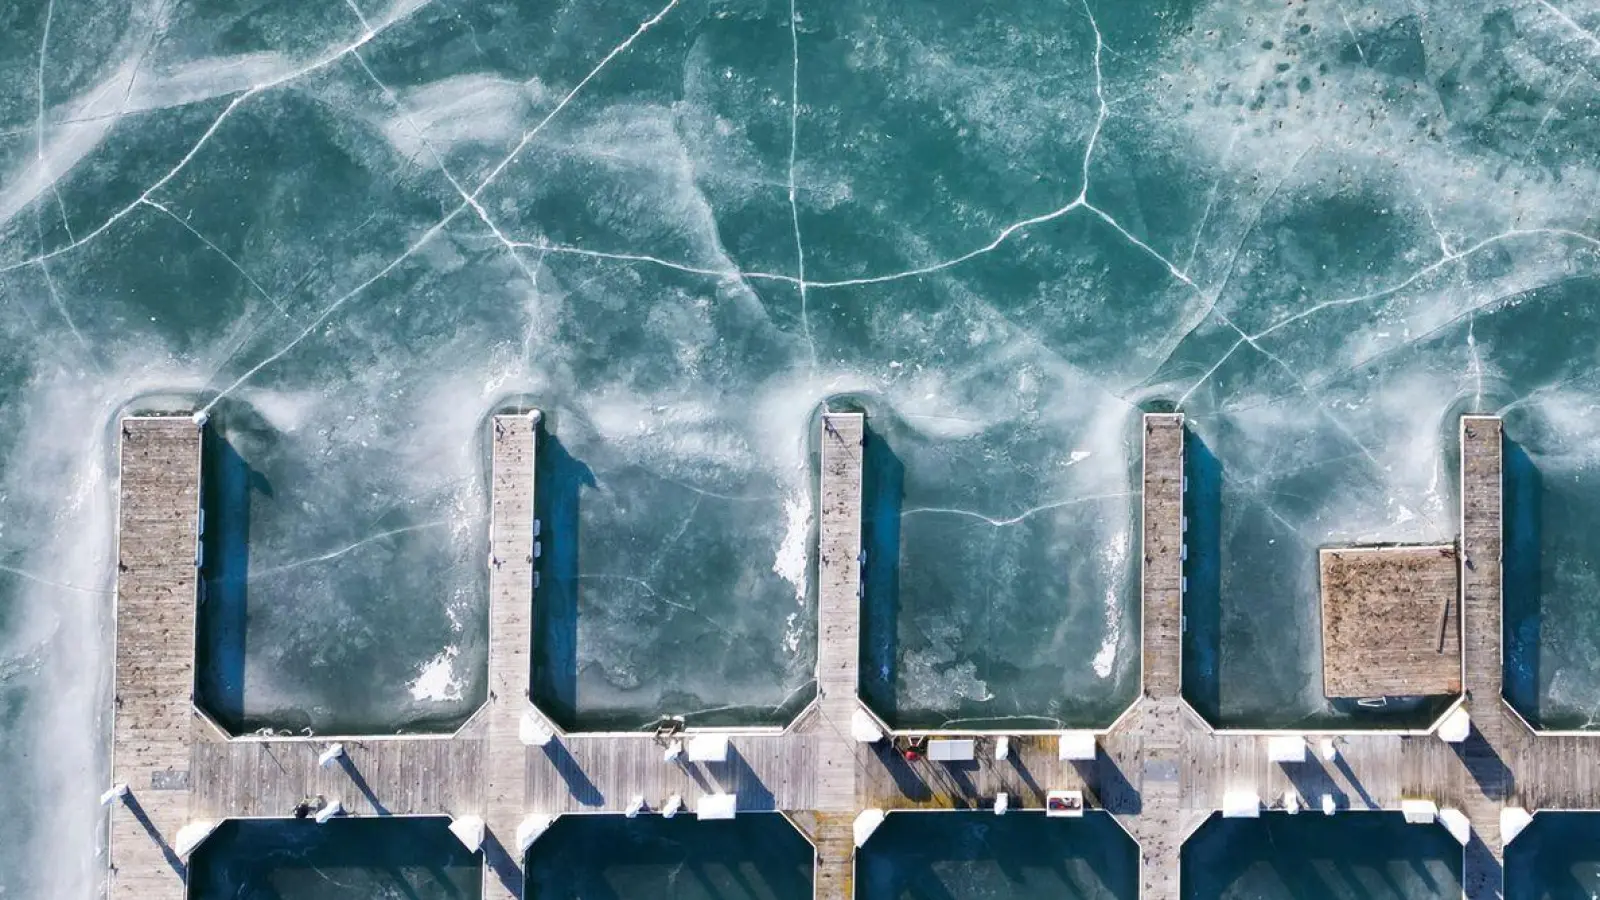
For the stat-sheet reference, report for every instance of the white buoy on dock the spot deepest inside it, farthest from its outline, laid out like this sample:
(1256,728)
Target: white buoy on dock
(1287,748)
(1241,805)
(530,829)
(117,792)
(469,830)
(863,729)
(1330,751)
(1456,727)
(1455,821)
(674,751)
(708,748)
(1078,746)
(191,836)
(533,731)
(330,755)
(866,823)
(717,806)
(1328,805)
(1513,819)
(1419,812)
(1291,802)
(1002,802)
(333,808)
(672,807)
(1002,748)
(635,806)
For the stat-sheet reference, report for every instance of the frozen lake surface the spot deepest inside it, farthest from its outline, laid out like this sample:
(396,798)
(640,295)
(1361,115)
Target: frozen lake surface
(352,231)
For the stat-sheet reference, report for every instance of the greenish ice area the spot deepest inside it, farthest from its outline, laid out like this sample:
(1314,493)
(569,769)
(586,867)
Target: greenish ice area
(1556,858)
(1350,856)
(976,855)
(350,232)
(759,857)
(371,859)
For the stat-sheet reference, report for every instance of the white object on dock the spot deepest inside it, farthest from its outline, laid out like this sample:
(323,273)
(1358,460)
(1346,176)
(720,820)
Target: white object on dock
(330,755)
(1002,747)
(1328,805)
(1455,821)
(953,750)
(866,823)
(1330,751)
(1513,819)
(1002,802)
(530,829)
(469,831)
(674,751)
(635,806)
(708,748)
(1241,805)
(191,836)
(717,806)
(1289,748)
(333,808)
(1291,802)
(672,807)
(533,731)
(1076,745)
(1068,804)
(1457,726)
(863,729)
(1419,812)
(117,792)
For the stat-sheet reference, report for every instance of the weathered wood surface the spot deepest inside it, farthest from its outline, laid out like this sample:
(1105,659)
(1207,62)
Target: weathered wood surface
(158,531)
(836,756)
(1161,771)
(1390,621)
(1145,758)
(388,776)
(513,439)
(1161,573)
(1499,741)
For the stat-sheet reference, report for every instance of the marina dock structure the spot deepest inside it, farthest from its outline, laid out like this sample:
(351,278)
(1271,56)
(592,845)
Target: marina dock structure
(1160,770)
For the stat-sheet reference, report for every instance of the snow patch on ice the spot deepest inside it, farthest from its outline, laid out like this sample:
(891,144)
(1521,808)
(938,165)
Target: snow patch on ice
(436,681)
(791,561)
(1115,555)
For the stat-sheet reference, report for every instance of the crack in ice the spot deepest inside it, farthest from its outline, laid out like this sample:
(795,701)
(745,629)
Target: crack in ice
(1020,517)
(794,205)
(439,226)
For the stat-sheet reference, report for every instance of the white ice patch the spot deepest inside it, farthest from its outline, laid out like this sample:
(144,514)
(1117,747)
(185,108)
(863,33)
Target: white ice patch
(1115,555)
(436,680)
(790,563)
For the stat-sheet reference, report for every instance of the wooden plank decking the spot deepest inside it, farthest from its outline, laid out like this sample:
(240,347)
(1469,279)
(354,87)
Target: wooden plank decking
(513,439)
(158,532)
(835,754)
(1161,770)
(1161,574)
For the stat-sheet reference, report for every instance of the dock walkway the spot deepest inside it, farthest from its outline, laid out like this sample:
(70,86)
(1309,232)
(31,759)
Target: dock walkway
(158,536)
(1161,770)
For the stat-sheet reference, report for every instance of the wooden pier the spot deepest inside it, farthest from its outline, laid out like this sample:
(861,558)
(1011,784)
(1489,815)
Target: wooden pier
(158,537)
(1161,770)
(511,565)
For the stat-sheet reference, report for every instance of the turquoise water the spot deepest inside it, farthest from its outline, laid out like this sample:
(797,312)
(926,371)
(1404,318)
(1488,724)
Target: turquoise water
(1556,858)
(347,859)
(355,230)
(1350,856)
(759,857)
(972,855)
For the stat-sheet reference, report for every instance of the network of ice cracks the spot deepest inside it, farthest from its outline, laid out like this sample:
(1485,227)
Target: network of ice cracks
(1321,230)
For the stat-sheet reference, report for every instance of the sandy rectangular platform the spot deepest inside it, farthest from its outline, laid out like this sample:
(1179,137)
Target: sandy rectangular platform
(1391,621)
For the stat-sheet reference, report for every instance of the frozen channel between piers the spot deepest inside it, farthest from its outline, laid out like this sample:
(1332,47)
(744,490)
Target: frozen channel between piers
(1160,770)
